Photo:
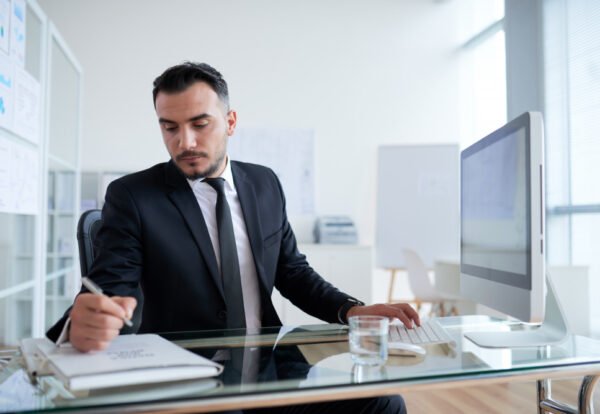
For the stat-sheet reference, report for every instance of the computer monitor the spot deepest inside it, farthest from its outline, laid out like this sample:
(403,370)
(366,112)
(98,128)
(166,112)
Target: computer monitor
(502,229)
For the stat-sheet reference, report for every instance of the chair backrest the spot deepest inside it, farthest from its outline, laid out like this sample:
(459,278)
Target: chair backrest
(87,227)
(418,277)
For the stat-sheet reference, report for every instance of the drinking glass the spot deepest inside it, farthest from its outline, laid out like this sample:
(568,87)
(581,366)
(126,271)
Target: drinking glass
(368,339)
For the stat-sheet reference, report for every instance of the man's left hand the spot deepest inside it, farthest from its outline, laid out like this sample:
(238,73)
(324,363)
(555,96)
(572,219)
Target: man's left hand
(403,311)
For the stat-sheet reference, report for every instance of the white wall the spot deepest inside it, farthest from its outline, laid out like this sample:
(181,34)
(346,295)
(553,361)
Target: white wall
(361,73)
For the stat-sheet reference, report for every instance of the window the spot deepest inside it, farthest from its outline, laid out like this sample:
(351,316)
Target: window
(483,69)
(572,114)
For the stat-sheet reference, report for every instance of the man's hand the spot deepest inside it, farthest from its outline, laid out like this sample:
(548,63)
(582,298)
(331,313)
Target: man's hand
(97,319)
(403,311)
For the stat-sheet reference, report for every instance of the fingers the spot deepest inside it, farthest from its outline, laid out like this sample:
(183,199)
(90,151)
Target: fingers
(403,311)
(96,320)
(410,312)
(127,303)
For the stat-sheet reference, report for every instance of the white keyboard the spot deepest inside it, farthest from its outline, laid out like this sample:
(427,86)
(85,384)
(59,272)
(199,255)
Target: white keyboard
(430,332)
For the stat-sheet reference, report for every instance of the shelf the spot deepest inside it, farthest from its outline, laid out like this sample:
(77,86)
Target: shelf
(60,213)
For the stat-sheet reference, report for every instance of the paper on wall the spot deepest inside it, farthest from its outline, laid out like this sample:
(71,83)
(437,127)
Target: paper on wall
(5,196)
(4,25)
(26,106)
(19,172)
(6,92)
(289,153)
(17,32)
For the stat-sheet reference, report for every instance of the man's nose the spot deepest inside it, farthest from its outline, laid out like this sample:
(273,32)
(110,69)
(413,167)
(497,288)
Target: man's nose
(187,139)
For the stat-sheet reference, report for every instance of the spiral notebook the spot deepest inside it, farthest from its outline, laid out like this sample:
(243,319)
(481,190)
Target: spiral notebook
(130,359)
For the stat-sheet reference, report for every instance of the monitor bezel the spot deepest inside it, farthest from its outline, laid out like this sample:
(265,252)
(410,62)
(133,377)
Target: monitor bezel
(523,301)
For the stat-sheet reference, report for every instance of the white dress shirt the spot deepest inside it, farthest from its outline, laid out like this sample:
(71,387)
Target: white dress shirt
(207,200)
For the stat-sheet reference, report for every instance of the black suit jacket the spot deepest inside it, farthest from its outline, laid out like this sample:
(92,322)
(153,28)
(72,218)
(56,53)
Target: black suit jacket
(154,235)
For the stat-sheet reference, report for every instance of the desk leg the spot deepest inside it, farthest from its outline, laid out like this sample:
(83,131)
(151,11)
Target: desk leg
(586,405)
(586,391)
(543,393)
(545,402)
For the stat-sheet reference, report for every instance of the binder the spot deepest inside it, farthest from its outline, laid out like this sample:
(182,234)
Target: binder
(129,359)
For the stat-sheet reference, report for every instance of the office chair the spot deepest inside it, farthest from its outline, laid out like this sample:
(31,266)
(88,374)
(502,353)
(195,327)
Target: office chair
(423,289)
(87,229)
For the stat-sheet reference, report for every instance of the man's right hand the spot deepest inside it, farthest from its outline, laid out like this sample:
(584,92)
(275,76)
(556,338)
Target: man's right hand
(97,319)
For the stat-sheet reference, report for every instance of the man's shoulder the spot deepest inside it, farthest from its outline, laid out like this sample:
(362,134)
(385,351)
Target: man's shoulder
(252,169)
(148,177)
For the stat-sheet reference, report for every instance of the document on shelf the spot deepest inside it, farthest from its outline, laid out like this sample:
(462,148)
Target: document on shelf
(129,359)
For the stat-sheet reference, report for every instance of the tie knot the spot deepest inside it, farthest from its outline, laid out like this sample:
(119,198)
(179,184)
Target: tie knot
(216,183)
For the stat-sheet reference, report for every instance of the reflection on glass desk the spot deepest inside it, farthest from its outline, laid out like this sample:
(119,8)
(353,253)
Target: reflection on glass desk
(278,366)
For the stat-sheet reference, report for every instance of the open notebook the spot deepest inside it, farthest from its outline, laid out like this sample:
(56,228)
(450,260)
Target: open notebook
(130,359)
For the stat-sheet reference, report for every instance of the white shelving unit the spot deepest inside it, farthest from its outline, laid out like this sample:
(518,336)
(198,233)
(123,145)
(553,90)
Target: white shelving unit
(38,250)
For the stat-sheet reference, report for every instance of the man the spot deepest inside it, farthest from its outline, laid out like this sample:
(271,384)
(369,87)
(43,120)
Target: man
(163,229)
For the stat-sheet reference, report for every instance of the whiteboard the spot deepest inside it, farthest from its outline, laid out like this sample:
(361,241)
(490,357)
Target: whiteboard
(417,203)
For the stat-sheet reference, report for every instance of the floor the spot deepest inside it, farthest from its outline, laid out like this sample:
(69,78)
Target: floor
(492,399)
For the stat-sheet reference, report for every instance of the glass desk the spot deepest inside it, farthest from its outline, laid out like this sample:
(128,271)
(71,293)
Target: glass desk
(282,366)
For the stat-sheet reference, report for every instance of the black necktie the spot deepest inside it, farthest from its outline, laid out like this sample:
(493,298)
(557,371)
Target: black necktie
(230,266)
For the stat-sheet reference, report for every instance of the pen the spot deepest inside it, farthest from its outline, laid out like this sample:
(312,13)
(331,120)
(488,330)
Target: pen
(95,289)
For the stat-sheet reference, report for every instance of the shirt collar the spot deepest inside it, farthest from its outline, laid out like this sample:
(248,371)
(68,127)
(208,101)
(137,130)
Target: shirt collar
(227,175)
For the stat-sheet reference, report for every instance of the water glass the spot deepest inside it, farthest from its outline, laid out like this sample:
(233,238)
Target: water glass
(368,339)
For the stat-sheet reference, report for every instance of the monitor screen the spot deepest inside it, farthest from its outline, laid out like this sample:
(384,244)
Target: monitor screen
(495,218)
(502,219)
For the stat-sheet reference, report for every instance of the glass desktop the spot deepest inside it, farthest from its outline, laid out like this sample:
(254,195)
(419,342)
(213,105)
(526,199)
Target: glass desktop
(308,363)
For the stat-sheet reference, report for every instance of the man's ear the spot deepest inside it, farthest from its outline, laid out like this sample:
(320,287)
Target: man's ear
(231,122)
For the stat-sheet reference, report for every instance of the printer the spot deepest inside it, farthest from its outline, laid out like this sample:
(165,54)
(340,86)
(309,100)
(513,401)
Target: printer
(335,230)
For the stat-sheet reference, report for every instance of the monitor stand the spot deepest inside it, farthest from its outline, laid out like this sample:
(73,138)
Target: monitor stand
(553,330)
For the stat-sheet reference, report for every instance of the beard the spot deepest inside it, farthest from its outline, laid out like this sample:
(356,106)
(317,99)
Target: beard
(208,171)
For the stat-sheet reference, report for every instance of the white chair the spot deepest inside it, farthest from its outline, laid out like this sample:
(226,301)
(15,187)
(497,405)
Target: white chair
(423,289)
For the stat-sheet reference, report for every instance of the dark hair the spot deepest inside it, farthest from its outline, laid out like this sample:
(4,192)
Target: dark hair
(180,77)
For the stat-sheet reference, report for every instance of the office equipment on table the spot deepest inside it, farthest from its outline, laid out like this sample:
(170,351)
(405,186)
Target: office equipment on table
(422,288)
(429,333)
(335,230)
(316,370)
(502,233)
(129,359)
(405,349)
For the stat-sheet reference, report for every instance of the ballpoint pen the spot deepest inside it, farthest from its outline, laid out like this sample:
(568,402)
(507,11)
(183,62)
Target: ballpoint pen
(95,289)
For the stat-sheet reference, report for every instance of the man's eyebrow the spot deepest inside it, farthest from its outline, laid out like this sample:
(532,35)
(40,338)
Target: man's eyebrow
(192,119)
(198,117)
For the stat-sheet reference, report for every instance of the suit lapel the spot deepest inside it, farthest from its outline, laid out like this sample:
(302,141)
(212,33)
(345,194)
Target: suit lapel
(249,204)
(183,197)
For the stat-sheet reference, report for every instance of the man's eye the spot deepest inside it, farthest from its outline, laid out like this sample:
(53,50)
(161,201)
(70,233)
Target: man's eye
(201,125)
(170,128)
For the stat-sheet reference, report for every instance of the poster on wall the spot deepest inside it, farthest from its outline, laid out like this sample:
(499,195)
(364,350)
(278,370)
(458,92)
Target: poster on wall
(19,178)
(5,201)
(289,152)
(26,106)
(17,32)
(6,92)
(4,25)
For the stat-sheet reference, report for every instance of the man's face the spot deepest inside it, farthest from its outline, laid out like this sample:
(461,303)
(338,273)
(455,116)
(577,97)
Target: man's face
(195,127)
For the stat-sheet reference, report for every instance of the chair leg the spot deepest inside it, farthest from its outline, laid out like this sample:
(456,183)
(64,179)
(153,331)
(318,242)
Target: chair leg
(442,309)
(454,309)
(392,284)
